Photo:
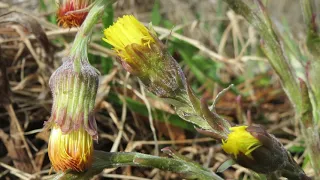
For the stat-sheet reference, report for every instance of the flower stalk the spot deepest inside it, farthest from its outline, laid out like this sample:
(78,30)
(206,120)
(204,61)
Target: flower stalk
(79,48)
(103,160)
(144,55)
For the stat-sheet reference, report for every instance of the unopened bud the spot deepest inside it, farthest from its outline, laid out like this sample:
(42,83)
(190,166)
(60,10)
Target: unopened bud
(71,13)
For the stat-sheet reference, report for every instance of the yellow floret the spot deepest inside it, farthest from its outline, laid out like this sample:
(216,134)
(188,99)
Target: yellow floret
(240,140)
(126,31)
(72,150)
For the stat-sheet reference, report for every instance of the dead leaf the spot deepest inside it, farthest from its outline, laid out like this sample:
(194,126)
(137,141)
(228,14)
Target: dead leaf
(30,24)
(5,93)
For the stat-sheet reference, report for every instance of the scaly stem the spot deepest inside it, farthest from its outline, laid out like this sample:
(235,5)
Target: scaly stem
(104,160)
(79,50)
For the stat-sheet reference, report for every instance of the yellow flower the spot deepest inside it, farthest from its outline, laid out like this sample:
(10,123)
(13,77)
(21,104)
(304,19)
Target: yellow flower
(72,150)
(240,140)
(142,54)
(127,31)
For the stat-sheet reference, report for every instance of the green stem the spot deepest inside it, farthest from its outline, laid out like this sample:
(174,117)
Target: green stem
(79,50)
(104,160)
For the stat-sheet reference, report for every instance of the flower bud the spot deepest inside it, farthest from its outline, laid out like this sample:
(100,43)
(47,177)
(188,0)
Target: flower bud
(240,141)
(71,13)
(143,54)
(72,119)
(256,149)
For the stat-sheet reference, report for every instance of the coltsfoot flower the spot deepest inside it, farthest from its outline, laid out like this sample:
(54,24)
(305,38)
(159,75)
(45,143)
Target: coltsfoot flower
(71,150)
(72,119)
(256,149)
(240,141)
(71,13)
(143,54)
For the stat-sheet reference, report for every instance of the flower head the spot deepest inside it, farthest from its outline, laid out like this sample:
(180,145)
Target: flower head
(72,118)
(256,149)
(240,141)
(143,54)
(70,151)
(126,31)
(71,13)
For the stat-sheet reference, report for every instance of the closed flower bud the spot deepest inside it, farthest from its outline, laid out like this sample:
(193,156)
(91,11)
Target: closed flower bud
(143,54)
(71,13)
(72,117)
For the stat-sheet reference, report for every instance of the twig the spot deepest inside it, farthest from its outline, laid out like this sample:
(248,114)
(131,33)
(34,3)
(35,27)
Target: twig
(14,119)
(16,172)
(123,118)
(29,46)
(145,100)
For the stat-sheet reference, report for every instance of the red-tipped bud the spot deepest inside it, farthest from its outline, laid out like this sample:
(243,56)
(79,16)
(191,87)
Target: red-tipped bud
(71,13)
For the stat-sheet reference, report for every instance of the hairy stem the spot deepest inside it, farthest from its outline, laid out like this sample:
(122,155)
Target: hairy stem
(104,160)
(79,50)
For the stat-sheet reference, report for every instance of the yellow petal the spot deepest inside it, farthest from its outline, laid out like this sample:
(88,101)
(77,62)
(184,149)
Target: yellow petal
(126,31)
(240,140)
(70,151)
